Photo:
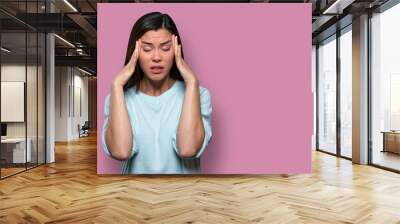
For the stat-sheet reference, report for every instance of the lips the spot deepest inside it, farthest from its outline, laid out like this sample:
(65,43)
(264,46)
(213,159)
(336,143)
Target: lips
(156,69)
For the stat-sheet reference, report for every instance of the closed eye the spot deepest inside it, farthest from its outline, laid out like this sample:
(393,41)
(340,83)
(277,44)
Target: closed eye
(149,48)
(166,48)
(146,49)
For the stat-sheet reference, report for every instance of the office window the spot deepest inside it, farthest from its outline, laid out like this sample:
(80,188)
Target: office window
(327,95)
(385,88)
(346,93)
(314,90)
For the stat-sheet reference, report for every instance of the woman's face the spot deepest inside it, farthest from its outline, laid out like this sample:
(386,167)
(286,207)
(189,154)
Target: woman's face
(157,55)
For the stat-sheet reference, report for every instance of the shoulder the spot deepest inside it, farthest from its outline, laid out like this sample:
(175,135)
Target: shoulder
(205,101)
(107,100)
(205,97)
(128,94)
(205,93)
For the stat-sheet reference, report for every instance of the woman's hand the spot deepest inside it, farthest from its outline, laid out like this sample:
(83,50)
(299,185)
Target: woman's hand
(187,74)
(123,76)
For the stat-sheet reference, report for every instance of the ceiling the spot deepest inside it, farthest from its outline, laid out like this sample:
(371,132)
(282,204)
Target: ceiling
(76,22)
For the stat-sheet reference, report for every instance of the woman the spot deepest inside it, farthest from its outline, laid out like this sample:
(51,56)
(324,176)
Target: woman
(157,117)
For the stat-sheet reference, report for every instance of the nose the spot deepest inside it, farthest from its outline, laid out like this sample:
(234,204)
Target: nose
(156,56)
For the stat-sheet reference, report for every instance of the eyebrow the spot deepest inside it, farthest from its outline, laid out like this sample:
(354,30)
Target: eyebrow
(166,42)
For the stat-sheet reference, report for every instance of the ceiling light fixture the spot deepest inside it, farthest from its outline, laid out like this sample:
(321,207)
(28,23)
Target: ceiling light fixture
(337,7)
(70,5)
(84,71)
(5,50)
(65,41)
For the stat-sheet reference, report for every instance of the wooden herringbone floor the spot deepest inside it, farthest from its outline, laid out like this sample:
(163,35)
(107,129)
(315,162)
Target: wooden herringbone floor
(70,191)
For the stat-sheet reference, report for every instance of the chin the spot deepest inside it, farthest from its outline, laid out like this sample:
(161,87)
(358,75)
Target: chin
(156,77)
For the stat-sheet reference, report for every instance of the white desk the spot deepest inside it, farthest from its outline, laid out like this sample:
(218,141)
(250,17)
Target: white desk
(19,149)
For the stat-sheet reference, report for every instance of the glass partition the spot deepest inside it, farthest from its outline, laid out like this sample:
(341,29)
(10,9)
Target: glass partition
(22,77)
(14,153)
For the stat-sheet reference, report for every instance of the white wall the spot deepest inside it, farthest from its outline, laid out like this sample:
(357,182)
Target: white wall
(81,89)
(61,103)
(71,93)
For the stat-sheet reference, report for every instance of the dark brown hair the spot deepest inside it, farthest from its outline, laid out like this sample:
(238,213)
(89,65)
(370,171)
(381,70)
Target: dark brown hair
(150,21)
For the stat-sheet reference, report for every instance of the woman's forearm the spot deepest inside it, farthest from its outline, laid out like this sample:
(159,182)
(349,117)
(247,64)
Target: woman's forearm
(190,134)
(119,133)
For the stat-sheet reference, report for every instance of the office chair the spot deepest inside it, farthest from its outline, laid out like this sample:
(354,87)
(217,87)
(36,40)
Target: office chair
(84,130)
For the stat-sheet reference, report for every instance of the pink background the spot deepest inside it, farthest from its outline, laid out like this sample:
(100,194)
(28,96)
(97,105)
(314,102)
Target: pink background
(255,58)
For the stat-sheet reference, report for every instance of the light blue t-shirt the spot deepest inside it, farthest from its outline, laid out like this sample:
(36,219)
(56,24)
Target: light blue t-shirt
(155,122)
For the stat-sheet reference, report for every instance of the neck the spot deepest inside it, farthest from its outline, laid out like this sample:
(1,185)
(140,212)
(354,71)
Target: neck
(155,88)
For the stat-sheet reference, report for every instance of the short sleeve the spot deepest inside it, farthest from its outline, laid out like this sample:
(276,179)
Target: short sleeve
(105,126)
(206,111)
